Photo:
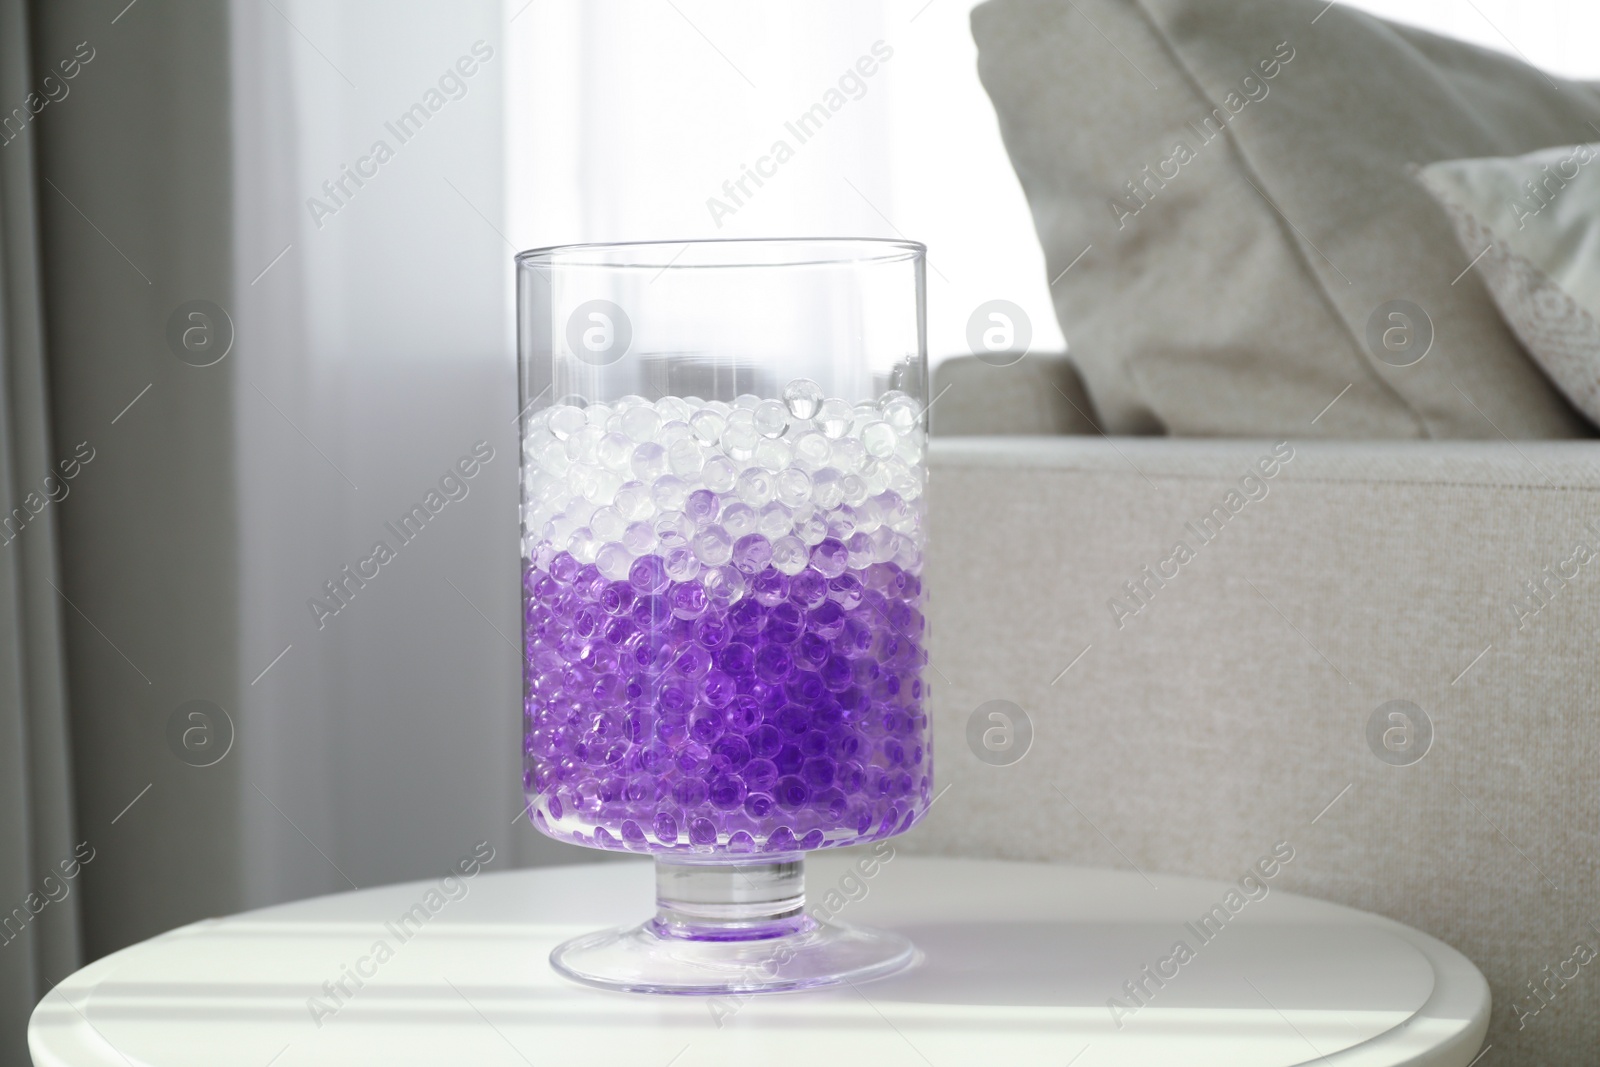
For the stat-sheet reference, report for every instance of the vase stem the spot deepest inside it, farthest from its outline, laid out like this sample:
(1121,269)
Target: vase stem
(722,901)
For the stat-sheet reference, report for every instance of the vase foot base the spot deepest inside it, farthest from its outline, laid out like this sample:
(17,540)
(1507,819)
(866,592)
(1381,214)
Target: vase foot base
(641,960)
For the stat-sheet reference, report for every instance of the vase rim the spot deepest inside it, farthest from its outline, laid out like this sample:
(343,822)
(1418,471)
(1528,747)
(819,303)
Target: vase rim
(725,252)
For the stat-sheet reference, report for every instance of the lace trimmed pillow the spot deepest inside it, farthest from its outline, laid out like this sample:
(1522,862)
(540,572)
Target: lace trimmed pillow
(1531,227)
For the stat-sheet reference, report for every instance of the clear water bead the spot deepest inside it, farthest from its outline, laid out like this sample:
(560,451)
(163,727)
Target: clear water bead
(771,418)
(649,461)
(755,486)
(901,413)
(803,398)
(793,486)
(567,420)
(707,425)
(834,418)
(879,439)
(740,442)
(641,423)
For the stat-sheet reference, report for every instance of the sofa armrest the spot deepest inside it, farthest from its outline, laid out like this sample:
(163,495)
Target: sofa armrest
(1188,716)
(1039,394)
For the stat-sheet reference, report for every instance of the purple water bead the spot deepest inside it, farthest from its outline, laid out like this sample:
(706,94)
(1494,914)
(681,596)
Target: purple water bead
(563,568)
(770,587)
(730,752)
(688,600)
(727,792)
(765,742)
(752,553)
(649,574)
(718,689)
(774,663)
(826,620)
(818,772)
(713,632)
(812,840)
(743,714)
(780,840)
(665,828)
(702,832)
(706,725)
(758,805)
(690,792)
(791,792)
(808,589)
(830,557)
(747,617)
(759,775)
(737,660)
(784,624)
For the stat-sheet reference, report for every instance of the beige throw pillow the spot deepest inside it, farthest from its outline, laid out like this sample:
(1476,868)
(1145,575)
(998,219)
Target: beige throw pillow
(1255,257)
(1531,226)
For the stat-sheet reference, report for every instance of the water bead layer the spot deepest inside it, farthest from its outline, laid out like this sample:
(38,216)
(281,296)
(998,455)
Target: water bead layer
(723,630)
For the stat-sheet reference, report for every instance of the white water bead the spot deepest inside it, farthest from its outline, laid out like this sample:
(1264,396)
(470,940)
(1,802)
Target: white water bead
(740,442)
(583,445)
(811,451)
(603,486)
(739,519)
(719,474)
(790,555)
(879,439)
(673,409)
(826,492)
(771,418)
(639,538)
(746,402)
(598,414)
(774,455)
(669,492)
(813,530)
(673,432)
(902,413)
(674,528)
(641,423)
(848,455)
(615,451)
(793,486)
(633,500)
(834,418)
(802,397)
(680,564)
(553,457)
(567,420)
(885,544)
(649,461)
(755,486)
(775,521)
(580,511)
(708,425)
(854,488)
(613,561)
(724,585)
(686,458)
(582,545)
(712,545)
(841,523)
(608,523)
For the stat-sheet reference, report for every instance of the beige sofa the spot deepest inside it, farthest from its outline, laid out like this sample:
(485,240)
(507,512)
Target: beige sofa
(1226,706)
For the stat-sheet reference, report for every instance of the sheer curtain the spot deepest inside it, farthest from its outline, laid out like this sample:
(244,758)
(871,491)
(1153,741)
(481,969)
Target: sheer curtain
(633,121)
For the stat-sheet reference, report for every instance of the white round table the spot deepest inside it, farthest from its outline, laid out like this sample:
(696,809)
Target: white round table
(1023,964)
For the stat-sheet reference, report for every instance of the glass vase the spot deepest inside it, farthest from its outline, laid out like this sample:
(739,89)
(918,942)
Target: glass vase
(723,466)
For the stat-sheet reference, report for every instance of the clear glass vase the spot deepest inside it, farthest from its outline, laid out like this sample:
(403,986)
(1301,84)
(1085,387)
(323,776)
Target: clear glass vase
(723,465)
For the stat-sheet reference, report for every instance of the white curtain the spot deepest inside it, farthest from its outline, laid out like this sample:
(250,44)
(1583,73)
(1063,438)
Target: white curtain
(637,121)
(375,351)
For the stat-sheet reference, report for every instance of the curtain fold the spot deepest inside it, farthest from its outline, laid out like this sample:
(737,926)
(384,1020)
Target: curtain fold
(39,942)
(134,202)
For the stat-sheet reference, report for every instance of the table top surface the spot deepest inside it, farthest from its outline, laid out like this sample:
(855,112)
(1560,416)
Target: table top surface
(1022,964)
